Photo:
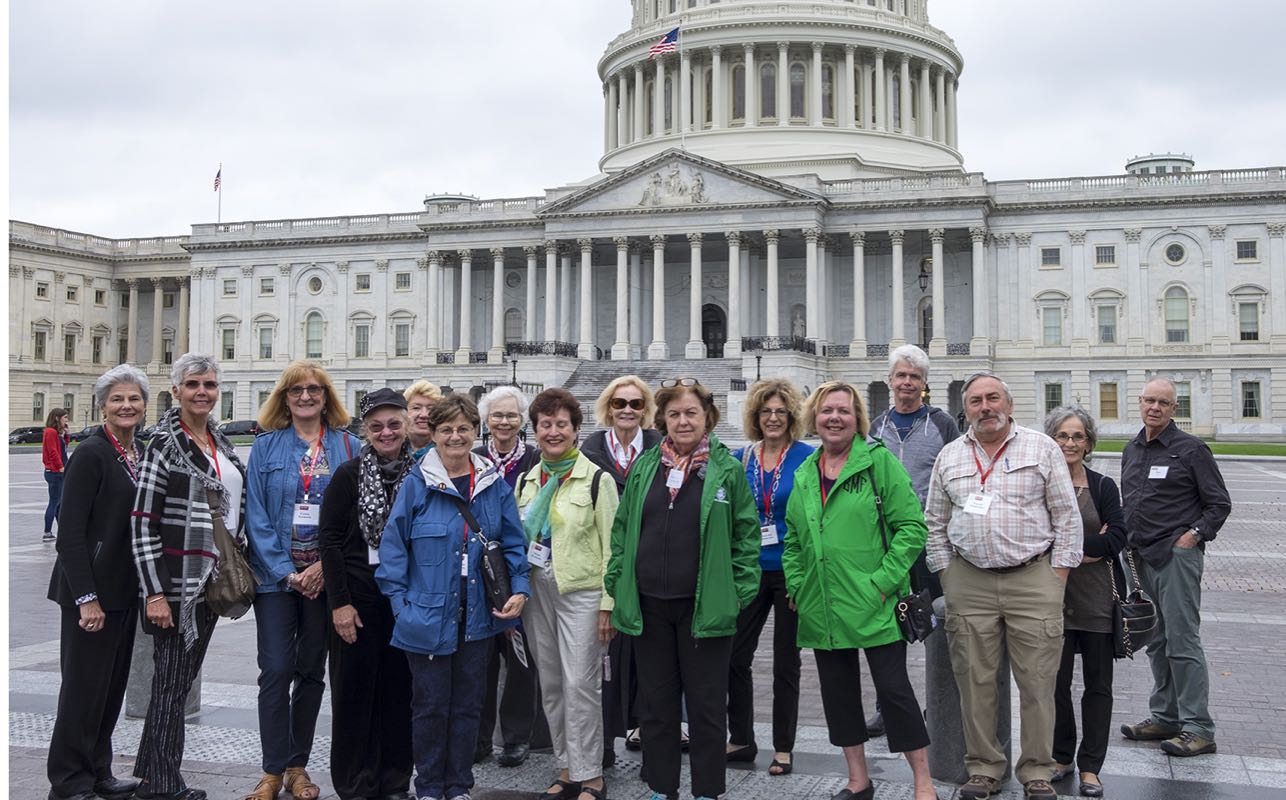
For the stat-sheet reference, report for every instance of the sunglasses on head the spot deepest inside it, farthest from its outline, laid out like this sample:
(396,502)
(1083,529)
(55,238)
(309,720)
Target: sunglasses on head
(673,382)
(618,403)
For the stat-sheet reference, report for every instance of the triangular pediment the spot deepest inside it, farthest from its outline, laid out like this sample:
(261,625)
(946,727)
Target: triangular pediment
(674,180)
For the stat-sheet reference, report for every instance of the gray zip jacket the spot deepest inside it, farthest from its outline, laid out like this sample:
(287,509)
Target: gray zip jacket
(921,447)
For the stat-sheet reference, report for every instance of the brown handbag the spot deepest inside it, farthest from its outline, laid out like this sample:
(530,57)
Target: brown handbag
(230,592)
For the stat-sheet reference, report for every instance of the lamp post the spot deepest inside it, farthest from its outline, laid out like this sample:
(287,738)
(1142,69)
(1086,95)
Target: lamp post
(514,377)
(758,361)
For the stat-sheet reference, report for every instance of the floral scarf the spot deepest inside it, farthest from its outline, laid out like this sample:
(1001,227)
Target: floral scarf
(509,460)
(694,461)
(378,480)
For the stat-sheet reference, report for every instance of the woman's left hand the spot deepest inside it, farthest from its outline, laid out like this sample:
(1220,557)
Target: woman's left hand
(605,630)
(92,616)
(513,608)
(310,581)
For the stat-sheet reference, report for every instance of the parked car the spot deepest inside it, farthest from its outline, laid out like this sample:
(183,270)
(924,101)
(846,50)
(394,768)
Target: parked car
(84,433)
(240,427)
(28,435)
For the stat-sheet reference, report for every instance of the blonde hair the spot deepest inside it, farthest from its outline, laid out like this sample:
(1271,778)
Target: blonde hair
(819,394)
(422,387)
(275,415)
(763,391)
(603,413)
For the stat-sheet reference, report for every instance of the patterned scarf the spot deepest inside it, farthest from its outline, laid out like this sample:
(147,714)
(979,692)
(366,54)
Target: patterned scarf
(378,480)
(508,461)
(537,524)
(696,460)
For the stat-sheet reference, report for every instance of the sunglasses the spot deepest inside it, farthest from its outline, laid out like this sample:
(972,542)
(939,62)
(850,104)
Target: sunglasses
(618,403)
(686,382)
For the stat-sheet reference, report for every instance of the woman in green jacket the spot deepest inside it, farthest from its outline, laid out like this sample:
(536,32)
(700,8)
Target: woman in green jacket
(685,561)
(845,579)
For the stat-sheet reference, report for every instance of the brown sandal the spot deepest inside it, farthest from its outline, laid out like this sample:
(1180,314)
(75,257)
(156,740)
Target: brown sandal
(268,788)
(300,786)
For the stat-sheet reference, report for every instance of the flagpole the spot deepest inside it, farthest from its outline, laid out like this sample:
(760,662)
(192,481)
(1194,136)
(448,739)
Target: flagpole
(220,193)
(683,128)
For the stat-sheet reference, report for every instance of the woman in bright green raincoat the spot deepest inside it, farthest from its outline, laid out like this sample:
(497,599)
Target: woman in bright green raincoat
(845,580)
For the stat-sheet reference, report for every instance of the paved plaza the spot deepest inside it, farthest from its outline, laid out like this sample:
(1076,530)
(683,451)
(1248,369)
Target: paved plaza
(1244,631)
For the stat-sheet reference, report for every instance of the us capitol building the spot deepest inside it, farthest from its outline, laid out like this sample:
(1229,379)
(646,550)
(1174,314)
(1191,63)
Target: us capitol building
(782,195)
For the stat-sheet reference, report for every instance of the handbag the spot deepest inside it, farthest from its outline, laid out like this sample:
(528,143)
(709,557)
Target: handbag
(914,612)
(1134,617)
(230,592)
(495,570)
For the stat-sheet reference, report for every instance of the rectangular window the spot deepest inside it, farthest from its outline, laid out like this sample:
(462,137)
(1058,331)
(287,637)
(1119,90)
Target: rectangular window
(167,350)
(362,282)
(1051,257)
(1053,396)
(1250,399)
(229,338)
(1105,255)
(265,342)
(1052,326)
(1183,400)
(362,341)
(167,299)
(122,349)
(402,281)
(124,299)
(72,294)
(69,348)
(401,340)
(358,394)
(38,407)
(96,349)
(267,286)
(264,394)
(1248,250)
(229,287)
(1107,324)
(42,291)
(69,403)
(1248,321)
(225,406)
(100,297)
(39,341)
(1107,404)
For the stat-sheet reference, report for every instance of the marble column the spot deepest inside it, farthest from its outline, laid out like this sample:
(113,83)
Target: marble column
(696,348)
(926,102)
(382,340)
(1004,322)
(585,349)
(939,110)
(1079,316)
(864,96)
(857,347)
(772,302)
(824,299)
(658,99)
(623,110)
(659,349)
(732,348)
(1136,320)
(608,116)
(529,323)
(637,129)
(131,343)
(938,342)
(433,307)
(783,83)
(848,95)
(750,87)
(496,352)
(810,282)
(904,88)
(718,112)
(814,103)
(951,111)
(613,116)
(1219,334)
(881,106)
(1276,285)
(621,347)
(685,91)
(158,304)
(636,301)
(897,336)
(465,344)
(181,342)
(551,290)
(978,343)
(565,300)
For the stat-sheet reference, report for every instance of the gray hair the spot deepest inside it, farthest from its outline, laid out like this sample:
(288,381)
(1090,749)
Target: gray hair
(964,390)
(1055,419)
(193,364)
(123,373)
(912,355)
(500,393)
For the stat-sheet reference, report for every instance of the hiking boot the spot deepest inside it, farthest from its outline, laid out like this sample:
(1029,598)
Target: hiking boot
(978,787)
(1149,730)
(1187,744)
(1038,790)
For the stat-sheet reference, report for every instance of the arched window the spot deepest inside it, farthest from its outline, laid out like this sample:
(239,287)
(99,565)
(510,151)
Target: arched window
(797,90)
(669,104)
(1176,314)
(828,92)
(768,90)
(313,335)
(925,320)
(739,92)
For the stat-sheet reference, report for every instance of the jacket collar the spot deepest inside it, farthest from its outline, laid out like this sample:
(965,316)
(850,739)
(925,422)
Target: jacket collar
(436,478)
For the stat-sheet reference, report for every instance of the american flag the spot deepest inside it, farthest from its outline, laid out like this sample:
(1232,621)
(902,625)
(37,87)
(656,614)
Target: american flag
(668,44)
(218,179)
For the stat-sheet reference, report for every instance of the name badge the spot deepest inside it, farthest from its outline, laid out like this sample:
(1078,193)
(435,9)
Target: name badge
(978,503)
(1157,473)
(767,535)
(372,555)
(674,480)
(307,514)
(538,555)
(464,564)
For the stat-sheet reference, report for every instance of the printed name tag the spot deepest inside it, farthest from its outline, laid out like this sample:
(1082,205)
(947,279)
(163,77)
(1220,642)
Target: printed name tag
(538,555)
(674,480)
(307,514)
(372,555)
(1157,473)
(767,535)
(464,564)
(978,503)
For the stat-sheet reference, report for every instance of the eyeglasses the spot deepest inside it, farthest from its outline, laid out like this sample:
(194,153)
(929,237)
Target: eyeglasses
(1155,401)
(312,388)
(192,386)
(774,412)
(503,417)
(1064,438)
(685,382)
(463,430)
(375,428)
(618,403)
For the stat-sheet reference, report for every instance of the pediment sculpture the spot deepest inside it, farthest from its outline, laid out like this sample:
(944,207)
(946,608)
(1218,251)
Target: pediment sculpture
(673,189)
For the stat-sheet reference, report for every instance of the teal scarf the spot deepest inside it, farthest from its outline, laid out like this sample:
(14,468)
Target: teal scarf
(536,523)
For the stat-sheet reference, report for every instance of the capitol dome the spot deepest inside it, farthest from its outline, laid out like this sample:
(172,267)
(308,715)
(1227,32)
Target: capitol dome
(839,88)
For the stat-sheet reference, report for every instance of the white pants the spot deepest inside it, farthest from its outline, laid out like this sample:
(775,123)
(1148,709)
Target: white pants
(562,631)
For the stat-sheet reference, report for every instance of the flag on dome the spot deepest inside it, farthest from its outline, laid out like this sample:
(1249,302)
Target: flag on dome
(218,178)
(668,44)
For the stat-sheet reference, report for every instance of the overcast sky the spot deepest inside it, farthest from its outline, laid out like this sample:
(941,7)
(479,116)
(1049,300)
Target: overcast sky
(121,112)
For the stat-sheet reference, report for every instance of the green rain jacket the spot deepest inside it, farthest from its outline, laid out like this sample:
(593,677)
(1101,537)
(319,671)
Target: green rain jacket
(842,580)
(728,576)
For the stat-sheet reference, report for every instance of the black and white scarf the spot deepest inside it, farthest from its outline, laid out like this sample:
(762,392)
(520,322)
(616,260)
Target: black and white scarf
(377,483)
(509,460)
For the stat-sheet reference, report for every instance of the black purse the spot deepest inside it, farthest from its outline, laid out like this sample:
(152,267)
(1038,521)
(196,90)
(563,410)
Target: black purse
(914,613)
(495,570)
(1134,617)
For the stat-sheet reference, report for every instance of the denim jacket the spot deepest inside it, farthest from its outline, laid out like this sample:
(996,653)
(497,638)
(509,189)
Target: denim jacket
(420,549)
(272,477)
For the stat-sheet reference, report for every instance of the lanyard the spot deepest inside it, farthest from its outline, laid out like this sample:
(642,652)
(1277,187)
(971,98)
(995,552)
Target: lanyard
(307,477)
(984,474)
(127,459)
(821,472)
(627,450)
(468,499)
(214,453)
(766,492)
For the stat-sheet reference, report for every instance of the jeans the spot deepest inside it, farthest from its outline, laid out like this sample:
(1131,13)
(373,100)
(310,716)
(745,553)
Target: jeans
(446,699)
(292,632)
(55,481)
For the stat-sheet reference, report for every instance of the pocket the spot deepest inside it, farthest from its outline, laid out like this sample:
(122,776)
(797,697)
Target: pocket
(421,623)
(428,543)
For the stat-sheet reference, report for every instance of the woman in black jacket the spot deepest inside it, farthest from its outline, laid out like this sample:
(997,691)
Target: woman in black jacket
(95,584)
(1087,605)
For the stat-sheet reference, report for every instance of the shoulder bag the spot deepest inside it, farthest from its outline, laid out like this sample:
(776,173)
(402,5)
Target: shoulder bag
(1134,617)
(914,612)
(495,570)
(230,592)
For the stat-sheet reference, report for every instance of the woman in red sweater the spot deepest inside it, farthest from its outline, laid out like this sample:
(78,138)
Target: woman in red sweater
(54,454)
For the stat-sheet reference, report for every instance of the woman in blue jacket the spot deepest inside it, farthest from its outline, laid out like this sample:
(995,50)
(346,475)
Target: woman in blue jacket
(430,569)
(287,475)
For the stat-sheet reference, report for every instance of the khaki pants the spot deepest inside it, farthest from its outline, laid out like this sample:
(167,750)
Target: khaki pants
(987,610)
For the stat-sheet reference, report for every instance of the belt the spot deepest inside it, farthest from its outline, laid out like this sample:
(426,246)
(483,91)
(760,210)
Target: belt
(1016,567)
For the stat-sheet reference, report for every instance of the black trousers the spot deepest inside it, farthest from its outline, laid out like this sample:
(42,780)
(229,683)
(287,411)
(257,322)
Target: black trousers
(521,719)
(1096,701)
(370,700)
(95,670)
(672,666)
(785,666)
(160,750)
(839,672)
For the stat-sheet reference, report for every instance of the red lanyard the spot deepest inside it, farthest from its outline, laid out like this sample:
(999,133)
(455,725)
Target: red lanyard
(987,473)
(214,453)
(765,490)
(126,458)
(821,471)
(627,449)
(468,499)
(307,477)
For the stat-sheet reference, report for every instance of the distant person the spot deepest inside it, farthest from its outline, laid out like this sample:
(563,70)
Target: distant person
(53,452)
(1175,502)
(420,398)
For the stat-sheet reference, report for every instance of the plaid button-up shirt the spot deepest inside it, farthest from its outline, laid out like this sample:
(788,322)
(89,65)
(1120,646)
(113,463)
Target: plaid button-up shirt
(1033,505)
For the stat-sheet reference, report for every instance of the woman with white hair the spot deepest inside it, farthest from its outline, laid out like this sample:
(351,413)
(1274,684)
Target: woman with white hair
(96,587)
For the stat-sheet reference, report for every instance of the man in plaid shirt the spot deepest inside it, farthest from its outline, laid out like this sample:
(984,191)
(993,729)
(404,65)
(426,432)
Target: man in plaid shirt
(1004,529)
